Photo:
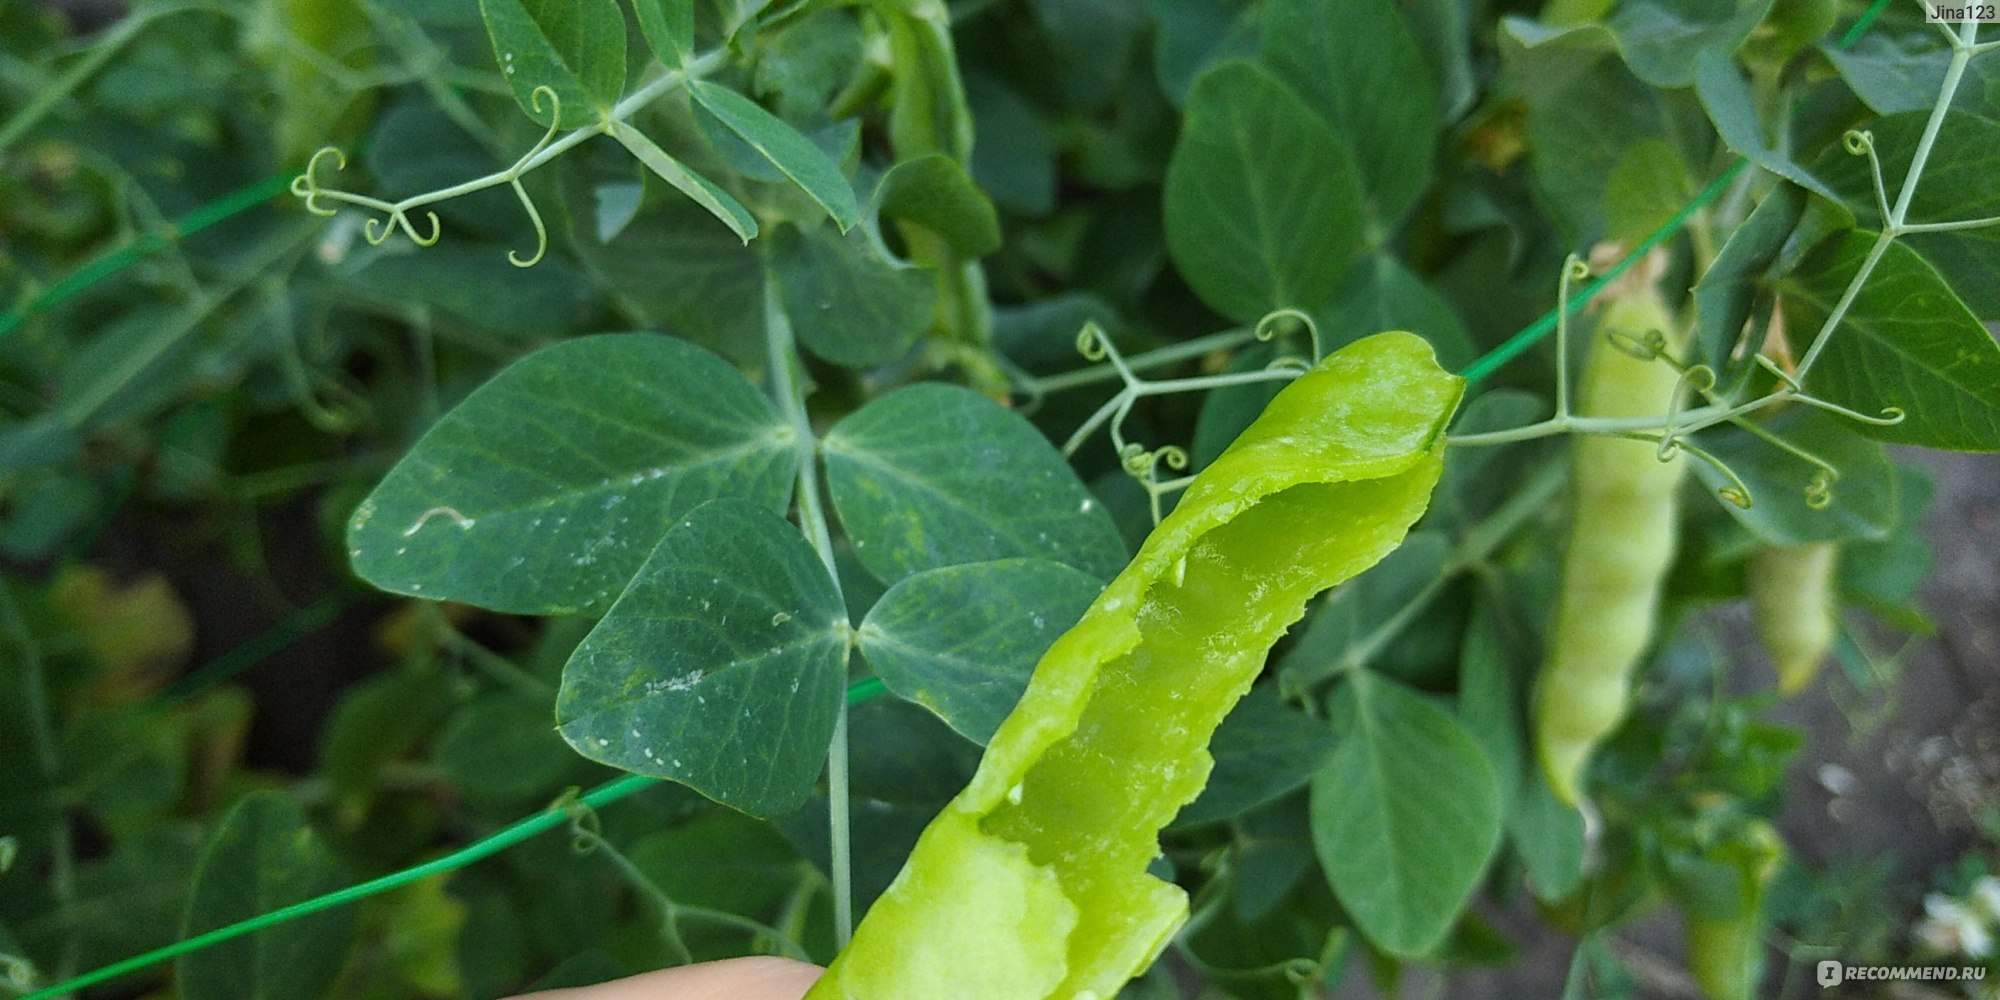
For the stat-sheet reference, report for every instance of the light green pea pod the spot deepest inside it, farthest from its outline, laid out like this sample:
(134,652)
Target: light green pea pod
(1032,883)
(1726,950)
(1792,605)
(1621,543)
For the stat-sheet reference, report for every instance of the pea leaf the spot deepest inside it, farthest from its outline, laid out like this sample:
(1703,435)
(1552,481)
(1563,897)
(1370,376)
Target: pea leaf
(847,303)
(934,192)
(574,47)
(1729,291)
(1726,97)
(1262,206)
(720,667)
(1263,750)
(793,154)
(669,28)
(1658,37)
(1348,628)
(962,640)
(1864,498)
(1548,835)
(1405,814)
(500,748)
(1490,702)
(1893,71)
(703,191)
(1356,63)
(936,475)
(536,494)
(1380,293)
(1906,342)
(262,858)
(1191,35)
(1965,154)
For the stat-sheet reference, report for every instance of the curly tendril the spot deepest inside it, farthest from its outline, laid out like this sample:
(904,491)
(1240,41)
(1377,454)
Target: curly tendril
(1279,322)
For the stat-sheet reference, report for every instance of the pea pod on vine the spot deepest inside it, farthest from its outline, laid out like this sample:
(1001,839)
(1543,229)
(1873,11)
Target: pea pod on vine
(1792,605)
(1621,543)
(1032,883)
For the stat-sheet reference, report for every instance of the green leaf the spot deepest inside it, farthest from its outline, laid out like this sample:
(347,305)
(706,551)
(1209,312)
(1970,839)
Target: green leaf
(1263,750)
(1956,186)
(1730,291)
(1662,40)
(847,303)
(1191,35)
(1647,187)
(723,861)
(574,47)
(264,857)
(1349,627)
(1405,814)
(1262,207)
(474,285)
(545,489)
(702,190)
(962,640)
(934,192)
(793,154)
(1380,293)
(936,475)
(1549,837)
(1888,571)
(1864,497)
(1356,63)
(720,667)
(501,748)
(1906,342)
(1892,71)
(1490,703)
(1725,95)
(1015,160)
(669,28)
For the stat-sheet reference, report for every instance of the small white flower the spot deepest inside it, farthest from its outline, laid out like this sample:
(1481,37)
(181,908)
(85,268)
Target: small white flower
(1951,927)
(1985,897)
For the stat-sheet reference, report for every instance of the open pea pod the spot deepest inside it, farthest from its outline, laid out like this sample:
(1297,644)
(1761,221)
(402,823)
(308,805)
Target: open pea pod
(1032,882)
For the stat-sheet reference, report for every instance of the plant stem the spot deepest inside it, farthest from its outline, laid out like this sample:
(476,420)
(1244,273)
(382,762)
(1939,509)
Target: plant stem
(790,392)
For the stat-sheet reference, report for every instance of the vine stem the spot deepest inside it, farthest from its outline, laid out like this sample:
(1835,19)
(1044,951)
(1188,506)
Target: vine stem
(1893,226)
(696,68)
(790,391)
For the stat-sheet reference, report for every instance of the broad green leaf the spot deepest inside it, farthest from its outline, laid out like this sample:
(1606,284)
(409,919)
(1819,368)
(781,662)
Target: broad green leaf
(1356,63)
(793,154)
(1864,497)
(1903,69)
(1733,287)
(546,488)
(1645,190)
(1015,160)
(1352,624)
(1191,35)
(1906,342)
(702,190)
(1262,207)
(1955,187)
(574,47)
(847,303)
(1888,571)
(962,640)
(714,274)
(724,861)
(1662,39)
(936,475)
(265,857)
(473,285)
(1549,837)
(1405,814)
(1443,29)
(1089,45)
(1380,293)
(935,193)
(720,667)
(1585,109)
(669,28)
(500,747)
(1725,95)
(1263,749)
(378,721)
(1490,702)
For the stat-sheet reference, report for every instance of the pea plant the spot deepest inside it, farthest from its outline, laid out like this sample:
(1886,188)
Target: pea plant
(1200,498)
